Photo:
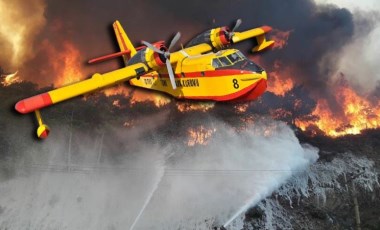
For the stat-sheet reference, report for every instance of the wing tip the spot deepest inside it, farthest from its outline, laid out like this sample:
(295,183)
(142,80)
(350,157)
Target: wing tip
(266,28)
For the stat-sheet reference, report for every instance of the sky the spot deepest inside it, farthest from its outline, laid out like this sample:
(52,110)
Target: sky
(353,5)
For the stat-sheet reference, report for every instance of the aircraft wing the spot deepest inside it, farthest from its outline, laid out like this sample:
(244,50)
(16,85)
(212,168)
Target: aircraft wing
(190,51)
(221,38)
(97,81)
(258,33)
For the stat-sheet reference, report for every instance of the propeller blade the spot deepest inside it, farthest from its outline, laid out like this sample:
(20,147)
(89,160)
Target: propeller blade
(171,74)
(232,33)
(174,40)
(152,47)
(238,23)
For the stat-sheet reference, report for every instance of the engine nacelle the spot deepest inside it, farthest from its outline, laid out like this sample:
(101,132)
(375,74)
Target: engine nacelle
(150,58)
(218,38)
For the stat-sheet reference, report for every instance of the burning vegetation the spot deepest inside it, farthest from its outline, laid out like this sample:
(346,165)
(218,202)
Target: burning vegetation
(8,79)
(353,114)
(199,135)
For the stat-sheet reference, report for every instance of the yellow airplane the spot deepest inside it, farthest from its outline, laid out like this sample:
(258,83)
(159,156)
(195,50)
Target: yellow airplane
(206,69)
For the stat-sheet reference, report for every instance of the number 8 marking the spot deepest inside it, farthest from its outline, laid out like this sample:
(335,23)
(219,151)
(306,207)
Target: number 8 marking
(236,85)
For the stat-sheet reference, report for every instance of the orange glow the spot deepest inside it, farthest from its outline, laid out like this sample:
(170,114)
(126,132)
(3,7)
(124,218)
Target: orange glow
(199,136)
(159,100)
(358,114)
(241,108)
(279,85)
(10,79)
(280,38)
(68,67)
(280,113)
(65,63)
(117,90)
(279,80)
(189,106)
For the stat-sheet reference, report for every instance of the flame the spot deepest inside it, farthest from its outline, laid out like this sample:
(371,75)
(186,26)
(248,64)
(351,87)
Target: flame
(199,135)
(10,79)
(280,81)
(280,38)
(358,114)
(68,67)
(117,90)
(159,100)
(191,106)
(241,108)
(65,62)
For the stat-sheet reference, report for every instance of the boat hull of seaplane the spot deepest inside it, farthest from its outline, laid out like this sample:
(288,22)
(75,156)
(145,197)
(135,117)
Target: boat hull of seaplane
(216,85)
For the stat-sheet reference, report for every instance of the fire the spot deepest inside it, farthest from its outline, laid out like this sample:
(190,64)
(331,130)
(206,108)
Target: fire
(241,108)
(199,135)
(280,38)
(65,62)
(159,100)
(117,90)
(68,68)
(358,114)
(10,79)
(191,106)
(279,81)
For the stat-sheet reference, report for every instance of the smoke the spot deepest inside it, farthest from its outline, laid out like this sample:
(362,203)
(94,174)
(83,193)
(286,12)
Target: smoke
(358,59)
(20,24)
(169,186)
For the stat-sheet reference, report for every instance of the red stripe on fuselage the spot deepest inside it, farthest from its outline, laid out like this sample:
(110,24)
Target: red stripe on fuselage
(211,73)
(33,103)
(227,97)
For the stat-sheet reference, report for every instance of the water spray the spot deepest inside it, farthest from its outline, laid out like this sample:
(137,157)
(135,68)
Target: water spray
(149,197)
(253,200)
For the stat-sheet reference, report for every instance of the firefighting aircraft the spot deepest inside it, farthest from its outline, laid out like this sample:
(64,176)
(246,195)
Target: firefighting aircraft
(205,69)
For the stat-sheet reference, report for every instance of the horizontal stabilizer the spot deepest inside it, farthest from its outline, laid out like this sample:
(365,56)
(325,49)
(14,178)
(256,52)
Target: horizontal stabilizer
(108,57)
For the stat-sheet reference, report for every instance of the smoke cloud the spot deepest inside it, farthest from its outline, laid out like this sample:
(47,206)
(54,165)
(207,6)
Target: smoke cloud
(106,186)
(359,59)
(20,24)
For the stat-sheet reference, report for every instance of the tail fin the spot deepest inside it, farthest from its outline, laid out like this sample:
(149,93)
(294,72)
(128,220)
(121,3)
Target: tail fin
(124,42)
(262,42)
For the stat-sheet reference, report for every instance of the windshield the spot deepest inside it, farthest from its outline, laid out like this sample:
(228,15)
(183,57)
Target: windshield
(228,60)
(235,57)
(236,60)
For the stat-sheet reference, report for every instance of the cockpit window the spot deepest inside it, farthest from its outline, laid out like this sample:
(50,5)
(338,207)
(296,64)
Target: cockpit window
(241,54)
(234,57)
(228,60)
(216,63)
(224,61)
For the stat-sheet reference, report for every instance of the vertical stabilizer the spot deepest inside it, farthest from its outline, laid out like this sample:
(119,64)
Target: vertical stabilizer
(124,42)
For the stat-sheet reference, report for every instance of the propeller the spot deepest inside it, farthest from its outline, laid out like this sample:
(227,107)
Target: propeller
(232,32)
(166,54)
